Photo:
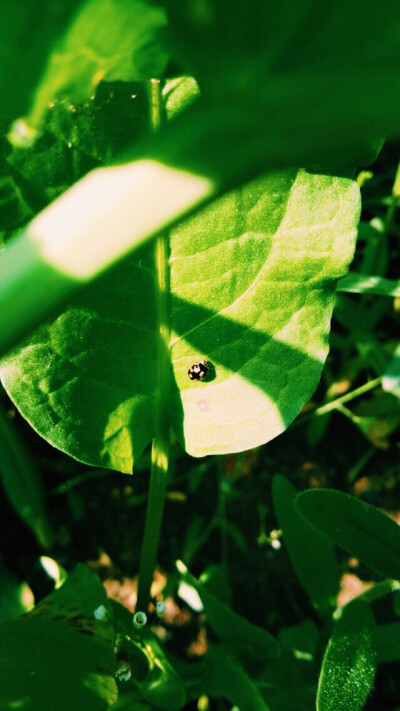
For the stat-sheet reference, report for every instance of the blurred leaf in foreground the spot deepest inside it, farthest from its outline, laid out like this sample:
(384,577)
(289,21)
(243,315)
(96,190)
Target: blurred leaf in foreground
(70,631)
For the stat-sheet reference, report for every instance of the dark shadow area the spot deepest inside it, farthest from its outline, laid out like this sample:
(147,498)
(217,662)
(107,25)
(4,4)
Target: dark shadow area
(232,346)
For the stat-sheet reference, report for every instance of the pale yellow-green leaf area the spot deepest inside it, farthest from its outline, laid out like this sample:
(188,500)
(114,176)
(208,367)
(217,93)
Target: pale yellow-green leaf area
(253,281)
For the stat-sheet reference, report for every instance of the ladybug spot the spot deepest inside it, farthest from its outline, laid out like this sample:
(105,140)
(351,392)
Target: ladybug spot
(200,370)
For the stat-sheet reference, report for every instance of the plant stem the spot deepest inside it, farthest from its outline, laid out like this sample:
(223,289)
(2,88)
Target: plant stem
(376,592)
(335,404)
(160,447)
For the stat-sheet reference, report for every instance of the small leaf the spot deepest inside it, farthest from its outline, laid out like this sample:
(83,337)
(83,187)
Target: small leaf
(362,530)
(311,554)
(348,667)
(60,655)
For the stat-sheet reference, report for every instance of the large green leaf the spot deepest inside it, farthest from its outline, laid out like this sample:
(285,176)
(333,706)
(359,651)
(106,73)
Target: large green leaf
(252,288)
(361,529)
(60,655)
(348,668)
(310,552)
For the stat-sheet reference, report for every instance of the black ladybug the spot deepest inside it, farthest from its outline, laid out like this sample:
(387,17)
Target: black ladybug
(200,370)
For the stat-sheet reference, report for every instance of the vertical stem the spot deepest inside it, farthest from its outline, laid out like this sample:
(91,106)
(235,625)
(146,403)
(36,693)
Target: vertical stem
(160,447)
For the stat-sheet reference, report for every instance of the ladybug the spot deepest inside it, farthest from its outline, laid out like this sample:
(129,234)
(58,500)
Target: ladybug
(200,370)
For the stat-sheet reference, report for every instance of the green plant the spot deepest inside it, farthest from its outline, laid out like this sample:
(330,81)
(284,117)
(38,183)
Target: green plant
(126,289)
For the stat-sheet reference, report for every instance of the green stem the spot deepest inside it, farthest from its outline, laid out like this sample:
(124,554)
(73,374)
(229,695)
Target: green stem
(376,592)
(335,404)
(160,447)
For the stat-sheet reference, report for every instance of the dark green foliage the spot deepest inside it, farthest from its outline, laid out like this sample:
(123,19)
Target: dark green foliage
(363,530)
(310,553)
(72,629)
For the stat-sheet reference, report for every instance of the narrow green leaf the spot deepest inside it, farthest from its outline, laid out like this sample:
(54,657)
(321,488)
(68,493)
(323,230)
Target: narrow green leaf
(310,552)
(362,530)
(348,667)
(224,677)
(367,284)
(233,629)
(70,630)
(22,483)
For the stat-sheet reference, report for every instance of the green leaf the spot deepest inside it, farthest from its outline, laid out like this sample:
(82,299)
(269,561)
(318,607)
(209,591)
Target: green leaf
(224,677)
(230,627)
(348,668)
(70,631)
(108,40)
(21,481)
(310,552)
(362,530)
(366,284)
(252,289)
